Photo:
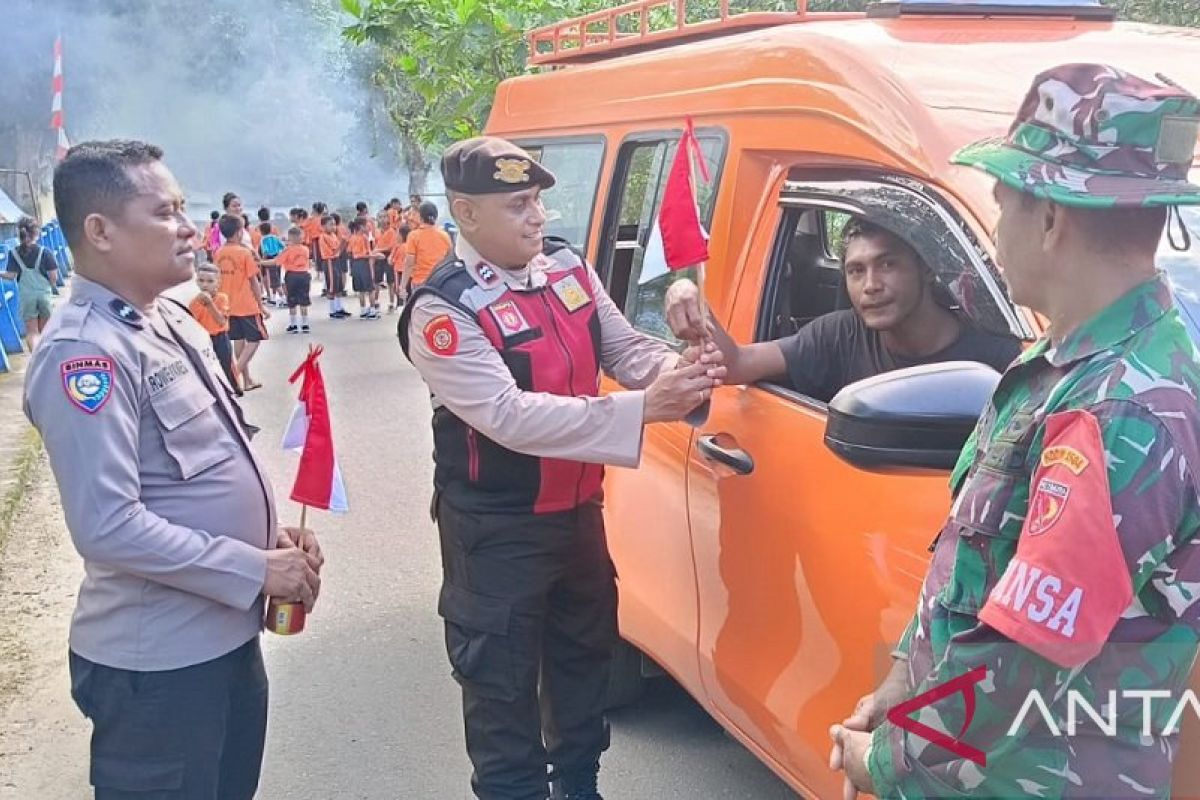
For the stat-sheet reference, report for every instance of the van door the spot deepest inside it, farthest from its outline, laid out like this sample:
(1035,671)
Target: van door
(646,508)
(808,569)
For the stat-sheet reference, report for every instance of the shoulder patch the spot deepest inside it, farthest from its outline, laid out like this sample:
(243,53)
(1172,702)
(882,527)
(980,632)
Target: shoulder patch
(126,313)
(88,381)
(442,335)
(1067,456)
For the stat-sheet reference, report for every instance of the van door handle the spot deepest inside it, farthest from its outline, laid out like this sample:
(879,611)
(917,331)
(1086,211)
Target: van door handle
(735,458)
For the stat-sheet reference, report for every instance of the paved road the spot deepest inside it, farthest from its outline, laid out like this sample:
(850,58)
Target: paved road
(363,705)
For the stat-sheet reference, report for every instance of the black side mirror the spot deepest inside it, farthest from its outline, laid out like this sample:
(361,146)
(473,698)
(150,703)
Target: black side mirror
(915,417)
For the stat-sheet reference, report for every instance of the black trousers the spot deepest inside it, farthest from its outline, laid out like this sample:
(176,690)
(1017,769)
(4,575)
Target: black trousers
(224,351)
(195,733)
(530,606)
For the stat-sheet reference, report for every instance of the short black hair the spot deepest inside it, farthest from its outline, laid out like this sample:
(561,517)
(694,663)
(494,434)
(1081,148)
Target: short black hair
(393,201)
(94,178)
(227,199)
(326,219)
(230,225)
(337,218)
(429,212)
(264,214)
(360,206)
(264,228)
(318,208)
(25,228)
(214,216)
(356,225)
(858,228)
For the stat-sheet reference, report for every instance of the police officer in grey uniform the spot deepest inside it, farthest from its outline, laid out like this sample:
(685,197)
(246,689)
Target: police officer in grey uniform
(163,497)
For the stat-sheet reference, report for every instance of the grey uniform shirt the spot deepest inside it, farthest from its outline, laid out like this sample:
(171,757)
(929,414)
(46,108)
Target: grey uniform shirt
(479,388)
(162,495)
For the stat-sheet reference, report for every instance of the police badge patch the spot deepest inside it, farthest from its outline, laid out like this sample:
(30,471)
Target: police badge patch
(441,335)
(571,293)
(509,317)
(88,382)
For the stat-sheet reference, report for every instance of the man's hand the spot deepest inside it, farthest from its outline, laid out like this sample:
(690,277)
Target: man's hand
(684,312)
(306,540)
(290,577)
(850,755)
(676,392)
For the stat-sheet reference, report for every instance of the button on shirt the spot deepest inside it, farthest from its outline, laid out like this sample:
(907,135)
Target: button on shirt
(162,495)
(1109,508)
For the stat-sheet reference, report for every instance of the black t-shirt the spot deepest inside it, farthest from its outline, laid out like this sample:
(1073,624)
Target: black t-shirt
(838,349)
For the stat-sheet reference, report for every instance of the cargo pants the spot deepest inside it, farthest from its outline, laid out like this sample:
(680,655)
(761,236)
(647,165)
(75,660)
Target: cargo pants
(529,602)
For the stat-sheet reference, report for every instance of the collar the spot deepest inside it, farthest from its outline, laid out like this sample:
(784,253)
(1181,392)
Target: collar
(85,291)
(488,275)
(1134,311)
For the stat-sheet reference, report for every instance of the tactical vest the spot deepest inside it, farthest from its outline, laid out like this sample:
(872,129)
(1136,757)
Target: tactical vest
(550,340)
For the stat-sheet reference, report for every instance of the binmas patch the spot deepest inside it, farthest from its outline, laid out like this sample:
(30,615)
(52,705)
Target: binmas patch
(88,382)
(441,335)
(571,293)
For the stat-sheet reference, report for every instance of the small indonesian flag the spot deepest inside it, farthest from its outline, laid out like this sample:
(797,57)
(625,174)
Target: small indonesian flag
(319,479)
(678,239)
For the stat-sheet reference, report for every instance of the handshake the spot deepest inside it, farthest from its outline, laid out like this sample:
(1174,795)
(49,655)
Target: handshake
(700,369)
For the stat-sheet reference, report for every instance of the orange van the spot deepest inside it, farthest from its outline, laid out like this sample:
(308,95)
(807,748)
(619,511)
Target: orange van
(768,575)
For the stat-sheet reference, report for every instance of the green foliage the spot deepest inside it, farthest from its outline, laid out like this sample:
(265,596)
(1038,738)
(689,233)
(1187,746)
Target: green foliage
(1163,12)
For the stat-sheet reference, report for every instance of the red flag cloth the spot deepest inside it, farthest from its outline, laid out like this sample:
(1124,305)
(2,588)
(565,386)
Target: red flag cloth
(318,480)
(685,242)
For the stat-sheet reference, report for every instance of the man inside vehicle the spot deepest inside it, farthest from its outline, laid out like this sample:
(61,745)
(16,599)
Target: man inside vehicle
(896,322)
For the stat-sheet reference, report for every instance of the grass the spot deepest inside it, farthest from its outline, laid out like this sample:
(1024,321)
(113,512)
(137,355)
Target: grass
(24,467)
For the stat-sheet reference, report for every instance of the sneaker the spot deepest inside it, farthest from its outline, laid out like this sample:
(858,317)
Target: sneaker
(341,314)
(373,314)
(305,329)
(292,329)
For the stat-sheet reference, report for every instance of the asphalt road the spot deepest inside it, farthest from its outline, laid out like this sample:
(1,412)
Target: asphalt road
(363,705)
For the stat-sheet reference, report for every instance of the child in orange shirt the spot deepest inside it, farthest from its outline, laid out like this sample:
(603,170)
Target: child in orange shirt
(385,272)
(361,277)
(329,248)
(426,248)
(293,260)
(239,280)
(211,310)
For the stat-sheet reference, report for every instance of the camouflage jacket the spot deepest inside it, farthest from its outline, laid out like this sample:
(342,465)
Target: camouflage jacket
(1133,370)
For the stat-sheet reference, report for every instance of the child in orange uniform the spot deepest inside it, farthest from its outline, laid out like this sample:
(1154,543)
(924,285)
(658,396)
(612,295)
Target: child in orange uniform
(361,278)
(297,280)
(239,280)
(329,248)
(385,272)
(211,310)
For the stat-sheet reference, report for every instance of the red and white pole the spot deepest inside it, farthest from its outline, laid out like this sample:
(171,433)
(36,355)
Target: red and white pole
(56,105)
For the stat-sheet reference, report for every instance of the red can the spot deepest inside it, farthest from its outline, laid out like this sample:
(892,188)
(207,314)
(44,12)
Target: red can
(285,618)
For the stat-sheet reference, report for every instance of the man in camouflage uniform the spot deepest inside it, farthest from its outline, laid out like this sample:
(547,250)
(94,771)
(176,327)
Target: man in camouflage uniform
(1070,559)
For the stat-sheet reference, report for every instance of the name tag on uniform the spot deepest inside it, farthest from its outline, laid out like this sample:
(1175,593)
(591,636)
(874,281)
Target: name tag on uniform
(509,317)
(571,293)
(162,379)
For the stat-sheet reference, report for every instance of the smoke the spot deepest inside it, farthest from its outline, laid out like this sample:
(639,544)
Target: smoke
(259,97)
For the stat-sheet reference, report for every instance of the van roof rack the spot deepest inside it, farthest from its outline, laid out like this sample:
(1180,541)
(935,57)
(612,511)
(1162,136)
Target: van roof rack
(646,24)
(1079,9)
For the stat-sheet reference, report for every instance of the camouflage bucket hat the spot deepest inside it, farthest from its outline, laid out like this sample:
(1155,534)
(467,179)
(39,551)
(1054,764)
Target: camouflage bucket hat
(1092,136)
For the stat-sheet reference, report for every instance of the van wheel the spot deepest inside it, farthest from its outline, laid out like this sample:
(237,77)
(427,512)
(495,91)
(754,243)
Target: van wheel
(626,682)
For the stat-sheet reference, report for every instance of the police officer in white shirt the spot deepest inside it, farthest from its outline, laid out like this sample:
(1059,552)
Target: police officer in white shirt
(164,499)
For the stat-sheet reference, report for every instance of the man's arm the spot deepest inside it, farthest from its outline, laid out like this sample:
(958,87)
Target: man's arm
(94,459)
(1128,485)
(409,261)
(467,375)
(750,363)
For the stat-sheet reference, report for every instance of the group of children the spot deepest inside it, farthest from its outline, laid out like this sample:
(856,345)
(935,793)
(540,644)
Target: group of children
(251,268)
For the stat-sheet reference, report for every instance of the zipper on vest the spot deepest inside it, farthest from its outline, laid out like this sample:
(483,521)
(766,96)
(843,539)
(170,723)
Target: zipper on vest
(570,375)
(472,455)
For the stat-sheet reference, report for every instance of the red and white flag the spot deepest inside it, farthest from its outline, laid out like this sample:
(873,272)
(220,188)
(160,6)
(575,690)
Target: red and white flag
(56,103)
(678,239)
(319,479)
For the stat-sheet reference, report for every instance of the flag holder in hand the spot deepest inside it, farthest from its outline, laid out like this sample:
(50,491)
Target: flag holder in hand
(318,479)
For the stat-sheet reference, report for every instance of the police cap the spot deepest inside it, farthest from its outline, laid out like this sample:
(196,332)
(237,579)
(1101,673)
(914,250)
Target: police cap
(489,165)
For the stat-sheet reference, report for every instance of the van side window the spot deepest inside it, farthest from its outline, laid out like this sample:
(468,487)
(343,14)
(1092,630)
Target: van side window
(569,203)
(805,278)
(630,261)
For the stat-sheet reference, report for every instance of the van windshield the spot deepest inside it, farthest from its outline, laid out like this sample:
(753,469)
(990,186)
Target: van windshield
(1184,266)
